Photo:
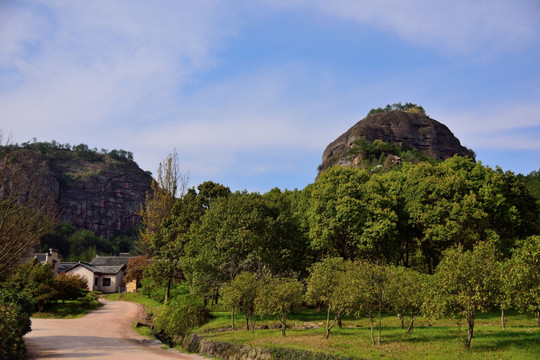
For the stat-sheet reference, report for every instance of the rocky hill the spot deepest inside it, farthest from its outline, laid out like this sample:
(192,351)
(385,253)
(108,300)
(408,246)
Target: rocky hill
(100,192)
(399,127)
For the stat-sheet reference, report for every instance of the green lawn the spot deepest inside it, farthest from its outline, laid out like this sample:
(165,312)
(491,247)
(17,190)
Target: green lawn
(443,339)
(70,309)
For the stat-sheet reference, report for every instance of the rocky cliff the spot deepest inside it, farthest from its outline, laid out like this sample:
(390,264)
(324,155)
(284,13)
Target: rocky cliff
(93,191)
(417,130)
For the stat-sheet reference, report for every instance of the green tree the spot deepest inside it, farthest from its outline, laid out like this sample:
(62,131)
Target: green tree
(37,280)
(371,294)
(240,232)
(279,296)
(526,274)
(327,285)
(337,212)
(465,283)
(240,294)
(406,292)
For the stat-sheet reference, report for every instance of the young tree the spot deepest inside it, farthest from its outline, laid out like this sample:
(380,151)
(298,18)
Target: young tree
(135,269)
(370,282)
(526,270)
(279,296)
(406,292)
(327,285)
(465,282)
(170,184)
(240,294)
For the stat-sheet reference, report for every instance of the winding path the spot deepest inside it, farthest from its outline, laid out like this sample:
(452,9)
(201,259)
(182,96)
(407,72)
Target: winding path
(105,333)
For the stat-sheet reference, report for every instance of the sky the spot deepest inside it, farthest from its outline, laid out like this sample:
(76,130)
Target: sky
(250,93)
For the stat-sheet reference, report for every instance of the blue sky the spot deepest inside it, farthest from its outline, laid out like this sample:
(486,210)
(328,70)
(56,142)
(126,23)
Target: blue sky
(251,92)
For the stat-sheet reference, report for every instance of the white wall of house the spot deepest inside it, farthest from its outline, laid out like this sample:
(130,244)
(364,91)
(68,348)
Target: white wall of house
(85,273)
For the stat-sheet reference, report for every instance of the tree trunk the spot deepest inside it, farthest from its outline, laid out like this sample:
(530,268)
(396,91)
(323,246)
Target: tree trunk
(232,318)
(537,315)
(247,322)
(371,325)
(411,324)
(400,317)
(283,326)
(168,291)
(379,338)
(339,323)
(470,328)
(327,329)
(503,320)
(252,317)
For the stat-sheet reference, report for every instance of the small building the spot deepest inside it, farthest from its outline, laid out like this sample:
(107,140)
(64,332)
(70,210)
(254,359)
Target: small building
(51,257)
(103,273)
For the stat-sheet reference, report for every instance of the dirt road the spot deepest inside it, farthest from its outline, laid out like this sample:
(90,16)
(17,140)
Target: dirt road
(105,333)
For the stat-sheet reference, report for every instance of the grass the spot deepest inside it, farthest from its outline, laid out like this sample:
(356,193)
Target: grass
(71,309)
(443,339)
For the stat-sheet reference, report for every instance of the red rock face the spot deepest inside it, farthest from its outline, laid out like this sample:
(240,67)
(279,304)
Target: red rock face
(102,195)
(106,203)
(420,131)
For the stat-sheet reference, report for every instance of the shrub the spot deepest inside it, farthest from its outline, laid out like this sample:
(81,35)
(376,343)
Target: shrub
(15,311)
(181,315)
(70,287)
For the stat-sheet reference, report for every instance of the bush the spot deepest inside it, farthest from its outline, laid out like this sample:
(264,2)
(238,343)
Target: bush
(15,311)
(70,287)
(181,315)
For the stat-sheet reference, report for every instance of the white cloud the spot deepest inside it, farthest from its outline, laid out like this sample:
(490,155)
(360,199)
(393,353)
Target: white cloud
(73,65)
(480,27)
(501,126)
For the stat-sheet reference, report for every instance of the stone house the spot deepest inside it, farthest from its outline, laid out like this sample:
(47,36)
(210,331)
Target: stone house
(51,257)
(103,273)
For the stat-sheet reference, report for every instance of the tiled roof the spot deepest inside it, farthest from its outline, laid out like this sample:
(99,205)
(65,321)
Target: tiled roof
(65,266)
(109,269)
(110,260)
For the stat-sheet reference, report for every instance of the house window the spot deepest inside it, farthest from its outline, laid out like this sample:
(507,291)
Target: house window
(106,281)
(96,281)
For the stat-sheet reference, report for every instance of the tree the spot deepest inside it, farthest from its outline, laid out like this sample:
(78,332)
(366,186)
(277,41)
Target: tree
(135,269)
(465,282)
(337,212)
(526,274)
(370,297)
(327,285)
(240,294)
(37,280)
(279,296)
(175,231)
(240,232)
(171,182)
(406,292)
(27,212)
